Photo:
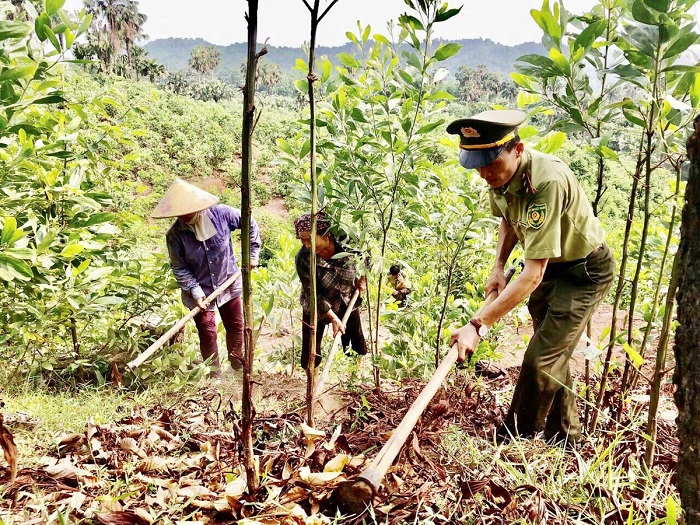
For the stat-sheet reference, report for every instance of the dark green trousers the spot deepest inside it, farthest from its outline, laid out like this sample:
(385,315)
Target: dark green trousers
(560,307)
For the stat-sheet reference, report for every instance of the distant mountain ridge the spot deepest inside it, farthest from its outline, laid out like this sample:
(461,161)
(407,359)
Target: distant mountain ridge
(175,52)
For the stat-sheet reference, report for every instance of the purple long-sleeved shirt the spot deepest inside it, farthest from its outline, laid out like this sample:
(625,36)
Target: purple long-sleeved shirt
(202,266)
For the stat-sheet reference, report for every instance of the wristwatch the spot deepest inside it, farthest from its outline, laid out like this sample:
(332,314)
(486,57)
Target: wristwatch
(481,330)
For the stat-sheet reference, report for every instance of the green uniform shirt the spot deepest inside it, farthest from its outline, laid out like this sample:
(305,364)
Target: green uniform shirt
(548,209)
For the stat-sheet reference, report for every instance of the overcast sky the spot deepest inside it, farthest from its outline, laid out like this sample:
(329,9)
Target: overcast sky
(286,22)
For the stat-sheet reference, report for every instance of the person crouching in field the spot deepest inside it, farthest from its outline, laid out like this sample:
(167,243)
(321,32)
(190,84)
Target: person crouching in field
(568,268)
(201,256)
(399,283)
(336,281)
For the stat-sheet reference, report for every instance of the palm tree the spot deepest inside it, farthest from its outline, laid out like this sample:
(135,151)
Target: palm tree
(132,29)
(117,22)
(105,25)
(204,59)
(151,69)
(94,49)
(269,75)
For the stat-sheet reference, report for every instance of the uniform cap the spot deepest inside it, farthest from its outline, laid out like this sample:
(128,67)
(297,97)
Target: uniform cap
(483,137)
(183,198)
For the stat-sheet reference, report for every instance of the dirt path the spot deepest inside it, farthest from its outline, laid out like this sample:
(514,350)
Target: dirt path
(277,207)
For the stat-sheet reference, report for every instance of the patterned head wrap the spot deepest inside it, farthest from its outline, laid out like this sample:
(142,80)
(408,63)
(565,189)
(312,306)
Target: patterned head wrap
(303,223)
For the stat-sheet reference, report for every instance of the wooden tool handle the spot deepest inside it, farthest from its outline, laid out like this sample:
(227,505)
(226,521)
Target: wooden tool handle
(334,348)
(375,473)
(139,360)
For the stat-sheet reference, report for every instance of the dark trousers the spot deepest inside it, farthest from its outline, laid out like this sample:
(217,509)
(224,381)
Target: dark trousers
(560,307)
(400,295)
(352,337)
(232,317)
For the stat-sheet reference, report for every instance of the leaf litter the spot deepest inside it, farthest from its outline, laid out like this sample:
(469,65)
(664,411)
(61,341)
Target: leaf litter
(183,464)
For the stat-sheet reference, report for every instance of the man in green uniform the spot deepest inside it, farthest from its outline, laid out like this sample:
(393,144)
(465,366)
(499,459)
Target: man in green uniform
(568,268)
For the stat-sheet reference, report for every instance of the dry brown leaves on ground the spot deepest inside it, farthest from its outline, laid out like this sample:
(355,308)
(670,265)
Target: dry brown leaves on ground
(180,464)
(183,464)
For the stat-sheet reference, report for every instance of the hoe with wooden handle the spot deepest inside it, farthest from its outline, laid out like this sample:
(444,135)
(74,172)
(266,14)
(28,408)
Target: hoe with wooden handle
(139,360)
(356,495)
(334,348)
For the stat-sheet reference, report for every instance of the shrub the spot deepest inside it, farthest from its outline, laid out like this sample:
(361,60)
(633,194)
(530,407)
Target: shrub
(271,228)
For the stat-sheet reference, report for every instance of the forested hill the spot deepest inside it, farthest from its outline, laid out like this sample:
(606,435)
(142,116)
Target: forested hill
(174,53)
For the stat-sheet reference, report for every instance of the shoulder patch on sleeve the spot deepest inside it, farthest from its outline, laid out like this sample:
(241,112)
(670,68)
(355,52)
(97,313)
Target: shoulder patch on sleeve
(536,215)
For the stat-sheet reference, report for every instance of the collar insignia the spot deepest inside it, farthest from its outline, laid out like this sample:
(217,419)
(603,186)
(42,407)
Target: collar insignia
(470,133)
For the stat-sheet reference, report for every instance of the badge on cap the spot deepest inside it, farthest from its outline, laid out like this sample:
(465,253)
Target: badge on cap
(484,135)
(470,133)
(536,215)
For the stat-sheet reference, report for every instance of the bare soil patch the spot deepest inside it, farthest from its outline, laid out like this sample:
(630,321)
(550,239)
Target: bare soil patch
(277,207)
(512,342)
(214,183)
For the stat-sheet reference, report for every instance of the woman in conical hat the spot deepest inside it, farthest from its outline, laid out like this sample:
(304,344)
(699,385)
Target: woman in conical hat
(201,256)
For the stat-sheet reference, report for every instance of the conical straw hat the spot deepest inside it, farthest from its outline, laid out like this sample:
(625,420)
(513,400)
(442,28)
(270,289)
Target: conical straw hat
(183,198)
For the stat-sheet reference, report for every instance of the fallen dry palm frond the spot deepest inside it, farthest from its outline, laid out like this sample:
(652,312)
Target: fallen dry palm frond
(183,464)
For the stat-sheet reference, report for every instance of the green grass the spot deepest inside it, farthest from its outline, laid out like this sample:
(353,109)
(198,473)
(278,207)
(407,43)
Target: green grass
(587,486)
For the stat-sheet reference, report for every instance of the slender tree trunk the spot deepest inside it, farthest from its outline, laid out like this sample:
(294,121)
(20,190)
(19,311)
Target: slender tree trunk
(368,301)
(247,408)
(648,151)
(443,310)
(450,274)
(74,335)
(638,270)
(670,294)
(587,380)
(687,372)
(659,371)
(313,307)
(597,202)
(618,294)
(378,306)
(600,190)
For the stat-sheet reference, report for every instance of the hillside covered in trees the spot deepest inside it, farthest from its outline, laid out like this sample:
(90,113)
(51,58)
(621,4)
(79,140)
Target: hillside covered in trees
(175,52)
